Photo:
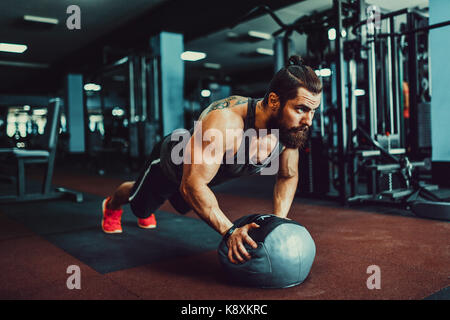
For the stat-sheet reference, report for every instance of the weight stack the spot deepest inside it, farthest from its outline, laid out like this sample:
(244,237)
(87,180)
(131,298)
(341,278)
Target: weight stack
(314,168)
(424,125)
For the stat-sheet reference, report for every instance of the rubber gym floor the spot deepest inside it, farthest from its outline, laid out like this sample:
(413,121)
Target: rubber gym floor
(178,259)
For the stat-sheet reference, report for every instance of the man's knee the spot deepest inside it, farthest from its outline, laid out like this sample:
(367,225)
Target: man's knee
(124,190)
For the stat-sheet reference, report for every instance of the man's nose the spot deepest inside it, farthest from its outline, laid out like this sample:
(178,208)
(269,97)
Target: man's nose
(307,118)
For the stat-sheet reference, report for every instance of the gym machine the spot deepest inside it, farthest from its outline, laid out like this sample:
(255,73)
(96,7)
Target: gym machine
(137,129)
(154,103)
(43,153)
(366,139)
(383,152)
(312,179)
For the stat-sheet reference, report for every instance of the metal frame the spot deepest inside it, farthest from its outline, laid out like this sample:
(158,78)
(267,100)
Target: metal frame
(145,121)
(45,156)
(341,105)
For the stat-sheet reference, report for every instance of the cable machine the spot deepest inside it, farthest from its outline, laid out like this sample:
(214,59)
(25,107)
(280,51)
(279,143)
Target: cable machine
(368,139)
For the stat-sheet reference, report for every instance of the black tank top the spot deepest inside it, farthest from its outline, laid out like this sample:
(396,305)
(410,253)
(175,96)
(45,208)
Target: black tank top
(227,171)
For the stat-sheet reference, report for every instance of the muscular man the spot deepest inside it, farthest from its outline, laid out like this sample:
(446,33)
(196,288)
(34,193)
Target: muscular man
(286,111)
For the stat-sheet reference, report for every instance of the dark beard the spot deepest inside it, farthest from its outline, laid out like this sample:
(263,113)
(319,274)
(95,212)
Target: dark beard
(293,138)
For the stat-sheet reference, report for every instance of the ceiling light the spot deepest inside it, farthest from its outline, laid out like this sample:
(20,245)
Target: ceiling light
(232,34)
(121,61)
(359,92)
(205,93)
(326,72)
(118,112)
(260,35)
(40,112)
(23,64)
(11,47)
(193,55)
(264,51)
(92,87)
(210,65)
(40,19)
(332,34)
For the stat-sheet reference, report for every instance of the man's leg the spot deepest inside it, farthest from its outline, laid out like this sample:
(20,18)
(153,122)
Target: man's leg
(112,210)
(143,199)
(120,196)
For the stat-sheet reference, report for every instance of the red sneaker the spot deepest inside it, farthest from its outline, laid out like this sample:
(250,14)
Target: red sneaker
(147,223)
(111,219)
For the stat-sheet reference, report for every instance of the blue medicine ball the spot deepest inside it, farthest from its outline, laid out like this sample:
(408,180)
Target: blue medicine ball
(283,258)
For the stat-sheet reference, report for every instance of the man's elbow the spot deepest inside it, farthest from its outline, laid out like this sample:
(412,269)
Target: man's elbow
(187,187)
(288,172)
(288,176)
(184,189)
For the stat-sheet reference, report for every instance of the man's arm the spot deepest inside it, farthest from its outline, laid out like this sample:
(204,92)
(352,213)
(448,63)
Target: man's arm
(197,173)
(287,181)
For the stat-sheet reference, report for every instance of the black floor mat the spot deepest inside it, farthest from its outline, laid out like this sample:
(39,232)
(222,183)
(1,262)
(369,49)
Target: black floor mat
(443,294)
(75,228)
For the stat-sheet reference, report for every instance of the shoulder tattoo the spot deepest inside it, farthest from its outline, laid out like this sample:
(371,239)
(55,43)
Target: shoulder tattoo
(226,103)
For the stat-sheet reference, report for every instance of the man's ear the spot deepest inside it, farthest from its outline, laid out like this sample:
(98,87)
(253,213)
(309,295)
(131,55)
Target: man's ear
(274,101)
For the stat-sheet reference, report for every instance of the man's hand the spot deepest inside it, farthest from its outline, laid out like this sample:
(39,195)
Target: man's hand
(236,241)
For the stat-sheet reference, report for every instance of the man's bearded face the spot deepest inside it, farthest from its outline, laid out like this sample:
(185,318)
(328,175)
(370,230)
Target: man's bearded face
(291,137)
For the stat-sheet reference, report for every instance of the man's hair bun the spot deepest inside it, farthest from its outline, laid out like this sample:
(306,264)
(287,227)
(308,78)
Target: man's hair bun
(296,61)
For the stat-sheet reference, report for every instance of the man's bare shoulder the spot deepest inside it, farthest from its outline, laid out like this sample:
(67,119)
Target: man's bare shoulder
(233,104)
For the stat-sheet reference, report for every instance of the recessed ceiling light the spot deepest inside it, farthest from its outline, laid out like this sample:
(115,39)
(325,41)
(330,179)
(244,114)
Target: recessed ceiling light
(40,19)
(264,51)
(193,55)
(118,112)
(325,72)
(11,47)
(210,65)
(92,87)
(24,64)
(39,112)
(260,35)
(205,93)
(332,34)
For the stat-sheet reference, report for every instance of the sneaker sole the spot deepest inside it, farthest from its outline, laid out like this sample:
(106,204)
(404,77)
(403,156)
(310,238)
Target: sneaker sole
(146,227)
(103,215)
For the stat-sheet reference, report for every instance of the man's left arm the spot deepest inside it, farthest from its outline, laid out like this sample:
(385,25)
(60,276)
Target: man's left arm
(287,181)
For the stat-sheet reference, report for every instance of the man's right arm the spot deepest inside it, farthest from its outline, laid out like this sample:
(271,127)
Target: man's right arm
(200,167)
(204,203)
(198,173)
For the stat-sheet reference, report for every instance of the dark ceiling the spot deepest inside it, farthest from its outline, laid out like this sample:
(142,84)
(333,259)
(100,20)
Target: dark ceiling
(111,29)
(119,26)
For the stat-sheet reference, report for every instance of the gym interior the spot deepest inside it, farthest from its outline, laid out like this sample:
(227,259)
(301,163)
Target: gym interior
(88,88)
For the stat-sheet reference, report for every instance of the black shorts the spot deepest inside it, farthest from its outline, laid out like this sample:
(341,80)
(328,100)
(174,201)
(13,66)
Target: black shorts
(153,188)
